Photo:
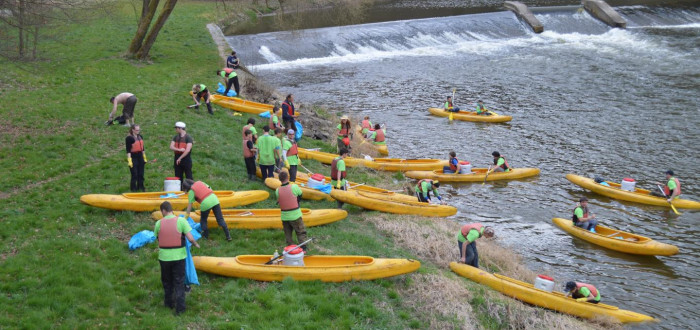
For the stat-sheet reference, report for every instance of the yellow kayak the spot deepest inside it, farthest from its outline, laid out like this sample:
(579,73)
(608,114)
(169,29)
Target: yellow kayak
(618,240)
(317,267)
(638,195)
(263,218)
(383,203)
(238,104)
(470,116)
(551,300)
(477,175)
(150,201)
(382,164)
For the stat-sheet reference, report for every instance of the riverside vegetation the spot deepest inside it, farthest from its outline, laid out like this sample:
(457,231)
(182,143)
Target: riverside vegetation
(67,265)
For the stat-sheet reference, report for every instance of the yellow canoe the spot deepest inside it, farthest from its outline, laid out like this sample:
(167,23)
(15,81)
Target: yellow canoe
(317,267)
(618,240)
(264,218)
(150,201)
(470,116)
(526,292)
(382,164)
(238,104)
(639,195)
(477,175)
(383,203)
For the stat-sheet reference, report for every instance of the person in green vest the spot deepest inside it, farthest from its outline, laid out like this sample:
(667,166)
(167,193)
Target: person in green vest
(200,91)
(366,126)
(279,132)
(290,153)
(268,155)
(500,163)
(200,192)
(481,109)
(672,188)
(288,197)
(339,173)
(425,187)
(377,136)
(231,79)
(468,234)
(344,133)
(449,106)
(582,292)
(251,126)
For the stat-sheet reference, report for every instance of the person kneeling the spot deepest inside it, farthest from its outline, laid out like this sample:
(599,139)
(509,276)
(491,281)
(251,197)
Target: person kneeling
(582,292)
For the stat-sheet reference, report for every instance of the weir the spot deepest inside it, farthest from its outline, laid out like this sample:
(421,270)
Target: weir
(602,11)
(524,13)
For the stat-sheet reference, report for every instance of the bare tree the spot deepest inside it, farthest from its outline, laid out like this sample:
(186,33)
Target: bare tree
(144,38)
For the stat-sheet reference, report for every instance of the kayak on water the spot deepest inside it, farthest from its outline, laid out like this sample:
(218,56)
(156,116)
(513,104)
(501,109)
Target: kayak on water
(476,175)
(470,116)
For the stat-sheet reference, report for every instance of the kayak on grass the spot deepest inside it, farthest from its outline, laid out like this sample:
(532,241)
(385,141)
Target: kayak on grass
(263,218)
(150,201)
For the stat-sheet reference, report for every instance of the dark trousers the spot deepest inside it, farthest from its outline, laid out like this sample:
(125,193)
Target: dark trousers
(268,171)
(298,227)
(421,198)
(204,215)
(250,166)
(577,295)
(205,96)
(185,168)
(129,105)
(290,124)
(172,275)
(233,81)
(137,172)
(472,258)
(339,203)
(293,173)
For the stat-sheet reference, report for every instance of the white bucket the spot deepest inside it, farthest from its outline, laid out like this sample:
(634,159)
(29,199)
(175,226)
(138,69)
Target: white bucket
(312,183)
(294,259)
(466,168)
(627,184)
(171,184)
(544,282)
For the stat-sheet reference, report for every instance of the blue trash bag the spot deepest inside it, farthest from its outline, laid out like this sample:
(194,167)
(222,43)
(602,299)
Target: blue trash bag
(300,131)
(141,238)
(326,188)
(222,89)
(190,271)
(265,114)
(196,227)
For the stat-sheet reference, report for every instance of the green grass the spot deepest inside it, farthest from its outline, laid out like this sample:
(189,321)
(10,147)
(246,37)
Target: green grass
(67,265)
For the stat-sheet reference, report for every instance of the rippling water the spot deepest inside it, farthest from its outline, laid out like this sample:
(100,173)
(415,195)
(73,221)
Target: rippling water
(585,99)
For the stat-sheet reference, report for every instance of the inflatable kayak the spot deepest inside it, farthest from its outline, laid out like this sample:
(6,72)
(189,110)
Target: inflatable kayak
(638,195)
(470,116)
(383,203)
(526,292)
(238,104)
(477,175)
(618,240)
(317,267)
(264,218)
(382,164)
(150,201)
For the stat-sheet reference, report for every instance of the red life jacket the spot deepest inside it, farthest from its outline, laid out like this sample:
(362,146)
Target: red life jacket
(247,153)
(201,191)
(290,108)
(344,129)
(293,150)
(334,170)
(380,136)
(228,70)
(138,145)
(505,163)
(668,191)
(180,143)
(420,184)
(468,227)
(575,219)
(168,236)
(593,290)
(287,200)
(365,124)
(453,167)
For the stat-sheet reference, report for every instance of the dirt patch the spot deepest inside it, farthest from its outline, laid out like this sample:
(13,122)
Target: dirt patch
(440,299)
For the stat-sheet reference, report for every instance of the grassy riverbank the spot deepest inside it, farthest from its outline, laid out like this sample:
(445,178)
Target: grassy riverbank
(65,264)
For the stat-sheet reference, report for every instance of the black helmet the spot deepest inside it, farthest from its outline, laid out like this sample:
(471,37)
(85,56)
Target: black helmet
(599,179)
(569,286)
(669,172)
(496,154)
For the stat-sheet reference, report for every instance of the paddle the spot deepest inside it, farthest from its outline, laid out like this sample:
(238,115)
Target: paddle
(613,234)
(307,170)
(244,214)
(487,175)
(191,106)
(451,116)
(670,203)
(355,186)
(285,252)
(171,195)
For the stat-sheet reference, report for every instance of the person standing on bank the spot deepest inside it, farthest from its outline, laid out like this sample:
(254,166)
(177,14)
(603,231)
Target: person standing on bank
(288,198)
(232,61)
(249,152)
(136,157)
(267,154)
(182,146)
(204,195)
(200,91)
(466,241)
(171,233)
(251,126)
(128,100)
(339,173)
(231,79)
(289,114)
(290,153)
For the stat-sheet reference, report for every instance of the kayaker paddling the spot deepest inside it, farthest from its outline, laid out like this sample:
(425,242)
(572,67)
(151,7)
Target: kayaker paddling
(500,163)
(672,188)
(481,109)
(466,241)
(425,187)
(582,217)
(449,106)
(582,292)
(288,198)
(201,193)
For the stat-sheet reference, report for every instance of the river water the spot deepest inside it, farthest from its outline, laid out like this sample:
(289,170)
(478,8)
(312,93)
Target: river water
(585,99)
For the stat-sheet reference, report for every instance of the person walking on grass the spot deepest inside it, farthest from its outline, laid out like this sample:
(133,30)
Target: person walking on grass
(128,101)
(181,144)
(466,241)
(249,152)
(201,193)
(289,114)
(200,91)
(171,233)
(267,154)
(290,154)
(288,197)
(136,157)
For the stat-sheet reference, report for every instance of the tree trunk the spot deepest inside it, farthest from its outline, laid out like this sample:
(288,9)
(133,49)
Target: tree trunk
(36,42)
(144,9)
(20,23)
(168,7)
(144,23)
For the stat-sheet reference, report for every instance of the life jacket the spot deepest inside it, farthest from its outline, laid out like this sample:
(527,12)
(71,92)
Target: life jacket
(366,124)
(246,127)
(168,236)
(505,163)
(344,129)
(420,184)
(287,200)
(453,167)
(138,145)
(334,169)
(290,108)
(201,191)
(228,73)
(380,136)
(202,90)
(179,144)
(247,153)
(668,190)
(593,290)
(272,124)
(448,105)
(293,150)
(575,219)
(468,227)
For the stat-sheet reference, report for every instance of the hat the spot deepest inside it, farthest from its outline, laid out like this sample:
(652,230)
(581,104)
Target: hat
(569,286)
(291,131)
(669,172)
(180,124)
(583,199)
(496,154)
(344,117)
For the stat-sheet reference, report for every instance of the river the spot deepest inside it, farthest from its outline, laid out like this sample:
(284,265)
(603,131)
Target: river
(585,99)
